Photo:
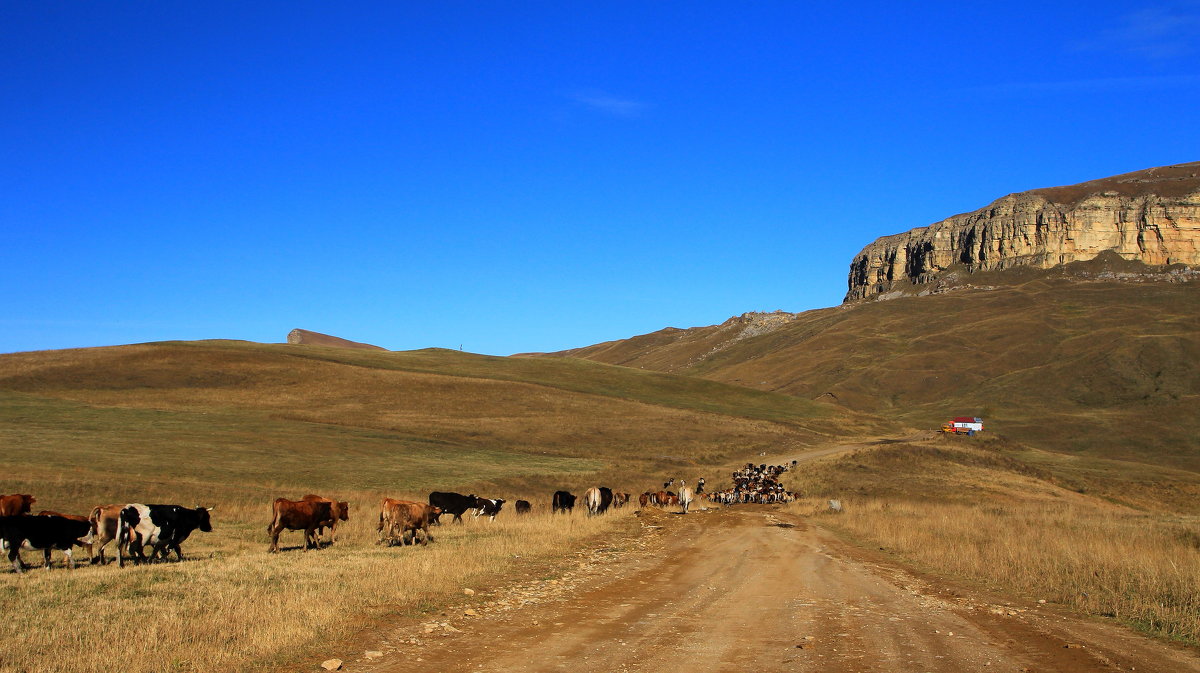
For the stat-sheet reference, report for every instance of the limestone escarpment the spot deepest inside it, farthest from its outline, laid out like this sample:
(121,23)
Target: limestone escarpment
(1151,216)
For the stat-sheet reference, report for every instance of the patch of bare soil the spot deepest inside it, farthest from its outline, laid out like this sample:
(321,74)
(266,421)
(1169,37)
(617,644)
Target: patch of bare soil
(752,587)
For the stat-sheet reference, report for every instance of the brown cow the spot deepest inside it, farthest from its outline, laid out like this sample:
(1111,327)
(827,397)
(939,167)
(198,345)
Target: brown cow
(397,518)
(16,504)
(104,520)
(292,515)
(340,511)
(662,498)
(86,546)
(644,499)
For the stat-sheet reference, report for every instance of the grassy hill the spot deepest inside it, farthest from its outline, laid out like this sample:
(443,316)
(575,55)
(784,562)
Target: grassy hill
(1072,360)
(254,421)
(235,425)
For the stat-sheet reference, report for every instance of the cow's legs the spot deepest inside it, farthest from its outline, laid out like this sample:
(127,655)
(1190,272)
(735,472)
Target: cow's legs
(46,553)
(70,558)
(159,552)
(14,556)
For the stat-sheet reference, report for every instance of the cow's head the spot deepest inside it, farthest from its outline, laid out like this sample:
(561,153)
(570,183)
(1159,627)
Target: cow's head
(27,501)
(89,538)
(205,521)
(344,515)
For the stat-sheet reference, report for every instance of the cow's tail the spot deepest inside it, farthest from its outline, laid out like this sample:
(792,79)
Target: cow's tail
(122,536)
(94,520)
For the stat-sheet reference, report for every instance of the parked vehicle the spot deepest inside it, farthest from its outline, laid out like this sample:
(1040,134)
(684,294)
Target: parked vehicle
(963,425)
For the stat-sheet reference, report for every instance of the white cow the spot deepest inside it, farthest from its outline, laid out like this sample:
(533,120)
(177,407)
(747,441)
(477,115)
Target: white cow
(592,499)
(685,496)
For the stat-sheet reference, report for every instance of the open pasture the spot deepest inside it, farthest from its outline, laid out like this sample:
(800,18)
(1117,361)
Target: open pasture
(232,606)
(234,425)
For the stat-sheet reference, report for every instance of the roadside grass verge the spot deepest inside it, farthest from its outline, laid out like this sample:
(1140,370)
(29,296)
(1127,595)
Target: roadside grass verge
(232,606)
(989,517)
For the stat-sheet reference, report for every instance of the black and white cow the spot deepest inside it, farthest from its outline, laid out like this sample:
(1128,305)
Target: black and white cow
(488,507)
(43,533)
(163,527)
(453,503)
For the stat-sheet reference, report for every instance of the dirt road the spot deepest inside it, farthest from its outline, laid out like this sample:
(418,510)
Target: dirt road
(753,588)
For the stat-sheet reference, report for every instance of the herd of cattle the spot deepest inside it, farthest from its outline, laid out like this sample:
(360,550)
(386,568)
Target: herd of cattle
(133,526)
(756,484)
(163,528)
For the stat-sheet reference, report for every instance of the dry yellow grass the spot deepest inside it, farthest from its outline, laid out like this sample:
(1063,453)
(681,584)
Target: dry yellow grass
(963,509)
(232,606)
(1142,569)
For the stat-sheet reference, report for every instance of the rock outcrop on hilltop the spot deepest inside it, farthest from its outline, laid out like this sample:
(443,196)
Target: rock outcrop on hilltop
(1151,216)
(303,336)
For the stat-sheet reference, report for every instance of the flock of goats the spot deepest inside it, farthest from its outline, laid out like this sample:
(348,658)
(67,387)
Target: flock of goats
(164,527)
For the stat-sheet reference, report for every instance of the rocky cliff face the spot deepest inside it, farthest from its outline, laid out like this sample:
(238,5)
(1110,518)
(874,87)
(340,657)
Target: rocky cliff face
(1152,216)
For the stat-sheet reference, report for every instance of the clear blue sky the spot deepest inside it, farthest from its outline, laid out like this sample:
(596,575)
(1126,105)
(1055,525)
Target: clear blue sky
(524,176)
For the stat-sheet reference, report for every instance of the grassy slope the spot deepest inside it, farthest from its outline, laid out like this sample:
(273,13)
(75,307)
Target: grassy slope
(249,422)
(236,424)
(1099,368)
